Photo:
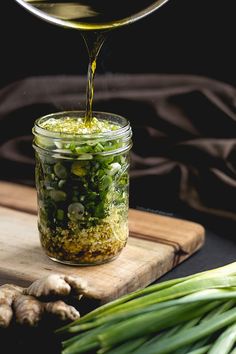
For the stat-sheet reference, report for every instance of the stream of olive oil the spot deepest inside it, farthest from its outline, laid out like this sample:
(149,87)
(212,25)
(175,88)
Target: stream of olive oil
(93,41)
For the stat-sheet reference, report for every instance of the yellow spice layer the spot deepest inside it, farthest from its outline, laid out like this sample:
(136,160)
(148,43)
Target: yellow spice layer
(96,244)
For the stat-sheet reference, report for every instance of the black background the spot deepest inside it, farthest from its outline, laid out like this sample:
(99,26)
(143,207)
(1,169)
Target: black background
(184,36)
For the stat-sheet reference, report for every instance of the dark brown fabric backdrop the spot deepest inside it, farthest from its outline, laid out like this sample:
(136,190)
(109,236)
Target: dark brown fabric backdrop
(184,154)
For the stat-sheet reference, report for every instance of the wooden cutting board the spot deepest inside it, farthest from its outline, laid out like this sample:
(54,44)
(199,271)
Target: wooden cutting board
(156,245)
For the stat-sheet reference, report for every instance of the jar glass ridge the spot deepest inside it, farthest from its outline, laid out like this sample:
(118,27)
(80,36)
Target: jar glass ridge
(82,183)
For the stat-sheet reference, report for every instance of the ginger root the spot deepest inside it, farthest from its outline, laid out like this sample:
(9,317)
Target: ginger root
(25,305)
(28,310)
(61,310)
(8,293)
(57,285)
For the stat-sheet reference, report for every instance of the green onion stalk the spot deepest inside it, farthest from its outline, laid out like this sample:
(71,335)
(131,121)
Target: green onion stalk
(190,315)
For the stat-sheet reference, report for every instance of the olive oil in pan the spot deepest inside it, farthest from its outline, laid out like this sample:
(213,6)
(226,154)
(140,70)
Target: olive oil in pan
(92,14)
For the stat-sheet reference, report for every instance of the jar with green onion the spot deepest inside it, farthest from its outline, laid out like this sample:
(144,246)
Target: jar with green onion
(82,181)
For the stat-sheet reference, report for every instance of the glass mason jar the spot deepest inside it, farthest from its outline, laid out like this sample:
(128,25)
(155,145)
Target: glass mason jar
(82,183)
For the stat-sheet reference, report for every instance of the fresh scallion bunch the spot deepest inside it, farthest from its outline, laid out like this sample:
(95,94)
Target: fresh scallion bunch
(191,315)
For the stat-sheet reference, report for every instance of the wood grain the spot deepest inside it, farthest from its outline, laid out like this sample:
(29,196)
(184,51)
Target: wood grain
(156,244)
(18,197)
